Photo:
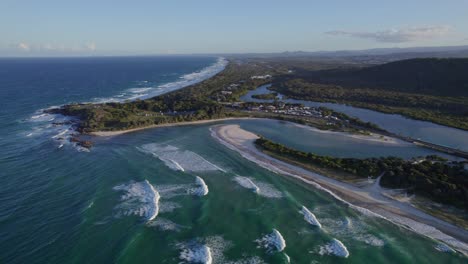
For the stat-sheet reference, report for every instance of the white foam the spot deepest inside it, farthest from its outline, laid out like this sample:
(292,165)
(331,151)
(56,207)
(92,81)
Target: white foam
(177,159)
(354,228)
(247,183)
(164,224)
(259,187)
(197,254)
(140,198)
(149,91)
(167,207)
(267,190)
(444,248)
(335,247)
(310,217)
(61,133)
(217,246)
(272,242)
(202,187)
(140,90)
(370,240)
(177,165)
(38,116)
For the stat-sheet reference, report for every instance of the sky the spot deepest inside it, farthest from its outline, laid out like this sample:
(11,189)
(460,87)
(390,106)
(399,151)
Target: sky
(102,27)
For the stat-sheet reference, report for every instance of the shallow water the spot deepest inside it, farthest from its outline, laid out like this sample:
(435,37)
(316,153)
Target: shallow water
(59,205)
(427,131)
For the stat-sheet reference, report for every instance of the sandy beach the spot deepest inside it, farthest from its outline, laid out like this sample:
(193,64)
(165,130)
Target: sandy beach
(199,122)
(373,137)
(369,199)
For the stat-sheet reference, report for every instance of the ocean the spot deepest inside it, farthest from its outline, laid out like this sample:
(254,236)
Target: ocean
(172,194)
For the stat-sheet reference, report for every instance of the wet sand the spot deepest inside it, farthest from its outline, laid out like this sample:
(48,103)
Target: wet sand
(369,199)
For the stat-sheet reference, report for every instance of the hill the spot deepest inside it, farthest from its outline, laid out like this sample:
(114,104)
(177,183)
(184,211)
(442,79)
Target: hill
(431,76)
(430,89)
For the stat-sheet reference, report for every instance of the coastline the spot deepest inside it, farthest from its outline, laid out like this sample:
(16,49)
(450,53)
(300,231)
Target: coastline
(198,122)
(368,200)
(373,137)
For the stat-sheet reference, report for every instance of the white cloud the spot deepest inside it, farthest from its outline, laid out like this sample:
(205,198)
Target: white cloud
(23,46)
(55,48)
(397,35)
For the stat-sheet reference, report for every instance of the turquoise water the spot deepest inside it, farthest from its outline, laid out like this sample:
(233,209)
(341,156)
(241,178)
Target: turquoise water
(128,200)
(434,133)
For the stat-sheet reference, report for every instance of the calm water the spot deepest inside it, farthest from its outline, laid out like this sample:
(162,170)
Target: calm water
(62,205)
(398,124)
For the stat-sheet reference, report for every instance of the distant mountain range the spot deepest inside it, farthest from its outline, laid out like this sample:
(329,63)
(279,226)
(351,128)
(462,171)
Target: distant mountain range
(383,51)
(370,56)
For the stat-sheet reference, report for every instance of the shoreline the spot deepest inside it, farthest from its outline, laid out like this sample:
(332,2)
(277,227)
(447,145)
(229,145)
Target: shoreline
(186,123)
(372,138)
(368,200)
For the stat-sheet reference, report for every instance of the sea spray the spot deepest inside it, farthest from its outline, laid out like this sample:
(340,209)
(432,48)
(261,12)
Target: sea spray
(139,198)
(310,217)
(197,254)
(335,247)
(202,189)
(273,242)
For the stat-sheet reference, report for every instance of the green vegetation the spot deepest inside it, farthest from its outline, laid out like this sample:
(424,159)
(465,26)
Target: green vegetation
(297,78)
(431,177)
(429,76)
(195,102)
(268,96)
(434,90)
(356,122)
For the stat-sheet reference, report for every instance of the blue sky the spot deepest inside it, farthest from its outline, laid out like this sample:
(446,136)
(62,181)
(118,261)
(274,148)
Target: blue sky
(43,28)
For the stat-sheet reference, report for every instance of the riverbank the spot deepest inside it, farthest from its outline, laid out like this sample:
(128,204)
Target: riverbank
(198,122)
(367,200)
(372,137)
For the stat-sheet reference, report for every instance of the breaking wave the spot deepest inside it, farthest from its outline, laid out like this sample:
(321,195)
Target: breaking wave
(139,198)
(310,217)
(352,228)
(51,125)
(202,189)
(444,248)
(197,254)
(336,248)
(247,183)
(195,251)
(180,160)
(146,89)
(273,242)
(261,188)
